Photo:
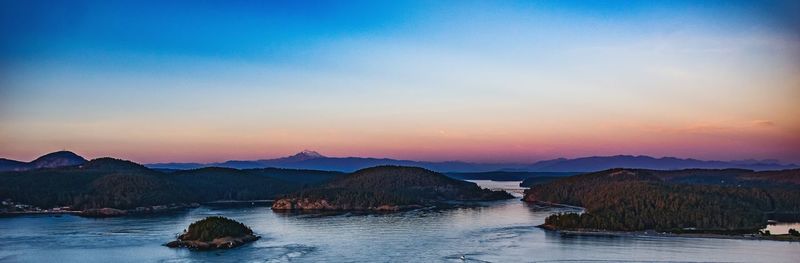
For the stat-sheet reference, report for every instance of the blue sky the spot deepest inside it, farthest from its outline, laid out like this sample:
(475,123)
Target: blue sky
(435,80)
(264,29)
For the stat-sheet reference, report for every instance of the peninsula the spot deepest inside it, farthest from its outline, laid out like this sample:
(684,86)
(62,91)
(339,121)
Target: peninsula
(693,201)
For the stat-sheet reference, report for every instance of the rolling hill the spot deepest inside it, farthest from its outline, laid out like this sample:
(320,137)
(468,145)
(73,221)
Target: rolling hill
(386,188)
(50,160)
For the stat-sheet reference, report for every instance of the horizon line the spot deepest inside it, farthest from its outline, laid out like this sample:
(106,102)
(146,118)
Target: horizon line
(755,160)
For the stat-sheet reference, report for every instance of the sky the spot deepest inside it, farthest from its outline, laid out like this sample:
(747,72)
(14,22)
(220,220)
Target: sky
(485,81)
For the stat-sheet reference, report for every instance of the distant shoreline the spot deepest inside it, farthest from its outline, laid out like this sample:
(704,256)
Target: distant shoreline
(150,209)
(588,232)
(653,233)
(112,212)
(40,213)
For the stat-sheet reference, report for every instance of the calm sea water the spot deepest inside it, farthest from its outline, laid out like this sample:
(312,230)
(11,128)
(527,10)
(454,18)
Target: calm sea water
(500,231)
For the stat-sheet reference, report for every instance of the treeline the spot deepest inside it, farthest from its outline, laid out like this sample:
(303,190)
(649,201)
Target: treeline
(215,227)
(108,182)
(632,200)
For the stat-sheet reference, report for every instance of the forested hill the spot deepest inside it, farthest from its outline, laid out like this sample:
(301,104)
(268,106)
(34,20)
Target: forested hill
(636,199)
(108,182)
(386,188)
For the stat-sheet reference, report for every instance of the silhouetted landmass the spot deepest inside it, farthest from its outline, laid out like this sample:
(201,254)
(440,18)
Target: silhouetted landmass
(387,188)
(107,182)
(50,160)
(303,177)
(507,175)
(214,232)
(695,200)
(316,161)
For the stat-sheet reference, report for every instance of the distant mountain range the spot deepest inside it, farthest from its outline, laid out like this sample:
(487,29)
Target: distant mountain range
(316,161)
(50,160)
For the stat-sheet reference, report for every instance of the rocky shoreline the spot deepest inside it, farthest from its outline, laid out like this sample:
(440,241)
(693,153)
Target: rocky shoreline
(217,243)
(307,204)
(113,212)
(214,232)
(105,211)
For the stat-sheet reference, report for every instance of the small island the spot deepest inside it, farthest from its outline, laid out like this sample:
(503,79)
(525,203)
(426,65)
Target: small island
(214,232)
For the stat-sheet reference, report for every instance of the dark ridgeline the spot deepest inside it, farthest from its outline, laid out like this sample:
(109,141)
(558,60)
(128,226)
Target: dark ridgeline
(50,160)
(387,188)
(108,182)
(693,200)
